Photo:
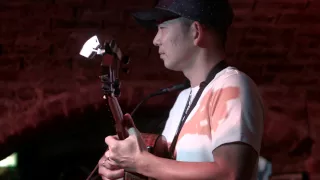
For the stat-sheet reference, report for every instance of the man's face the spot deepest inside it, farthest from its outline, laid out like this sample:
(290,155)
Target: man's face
(175,44)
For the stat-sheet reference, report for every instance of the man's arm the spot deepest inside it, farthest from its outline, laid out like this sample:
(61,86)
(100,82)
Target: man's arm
(232,161)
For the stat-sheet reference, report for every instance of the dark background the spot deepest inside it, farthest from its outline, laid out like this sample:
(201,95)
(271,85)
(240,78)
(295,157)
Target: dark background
(51,108)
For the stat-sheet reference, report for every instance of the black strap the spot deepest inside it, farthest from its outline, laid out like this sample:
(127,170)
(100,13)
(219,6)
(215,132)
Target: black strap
(214,71)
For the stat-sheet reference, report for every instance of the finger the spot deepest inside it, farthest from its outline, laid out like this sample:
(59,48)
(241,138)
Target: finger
(128,121)
(107,155)
(110,165)
(111,141)
(104,178)
(102,161)
(111,174)
(130,126)
(116,137)
(107,162)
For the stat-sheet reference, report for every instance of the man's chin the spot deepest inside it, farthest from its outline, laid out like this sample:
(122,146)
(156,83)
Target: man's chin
(171,67)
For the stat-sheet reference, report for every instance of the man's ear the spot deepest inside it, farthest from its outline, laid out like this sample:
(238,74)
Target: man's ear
(198,33)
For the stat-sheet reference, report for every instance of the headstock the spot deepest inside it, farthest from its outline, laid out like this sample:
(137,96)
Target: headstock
(112,59)
(111,67)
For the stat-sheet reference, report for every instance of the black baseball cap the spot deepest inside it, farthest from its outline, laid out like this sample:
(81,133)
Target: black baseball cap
(216,13)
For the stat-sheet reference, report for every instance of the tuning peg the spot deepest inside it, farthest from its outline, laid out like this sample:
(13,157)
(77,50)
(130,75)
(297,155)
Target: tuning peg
(116,84)
(107,48)
(126,70)
(125,59)
(117,92)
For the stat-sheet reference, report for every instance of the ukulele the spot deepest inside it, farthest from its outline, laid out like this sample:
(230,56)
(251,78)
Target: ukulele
(110,68)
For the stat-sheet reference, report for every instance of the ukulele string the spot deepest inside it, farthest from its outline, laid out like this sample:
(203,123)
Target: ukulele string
(95,168)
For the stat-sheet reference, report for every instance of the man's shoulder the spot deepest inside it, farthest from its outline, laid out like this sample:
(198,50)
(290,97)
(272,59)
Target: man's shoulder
(232,76)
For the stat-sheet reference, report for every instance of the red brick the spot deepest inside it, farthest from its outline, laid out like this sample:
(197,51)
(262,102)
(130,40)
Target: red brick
(55,108)
(7,38)
(97,4)
(110,18)
(37,10)
(307,42)
(126,40)
(283,1)
(70,25)
(313,166)
(300,18)
(271,31)
(58,11)
(265,18)
(305,56)
(298,81)
(268,37)
(138,50)
(119,5)
(242,5)
(266,42)
(312,69)
(9,75)
(282,6)
(284,68)
(254,41)
(313,95)
(10,13)
(11,62)
(37,13)
(314,5)
(27,39)
(26,25)
(235,34)
(261,55)
(310,30)
(63,23)
(271,94)
(254,18)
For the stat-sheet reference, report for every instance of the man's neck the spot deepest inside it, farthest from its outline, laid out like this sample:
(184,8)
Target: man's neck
(200,69)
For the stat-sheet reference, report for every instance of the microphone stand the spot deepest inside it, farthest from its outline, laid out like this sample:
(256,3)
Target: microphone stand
(160,92)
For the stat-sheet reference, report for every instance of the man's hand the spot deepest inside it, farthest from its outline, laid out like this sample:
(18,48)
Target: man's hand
(125,154)
(109,171)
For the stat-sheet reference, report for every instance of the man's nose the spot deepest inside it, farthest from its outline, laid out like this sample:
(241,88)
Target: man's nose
(156,40)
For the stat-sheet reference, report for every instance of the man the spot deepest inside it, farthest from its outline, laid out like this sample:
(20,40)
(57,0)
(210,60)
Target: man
(221,137)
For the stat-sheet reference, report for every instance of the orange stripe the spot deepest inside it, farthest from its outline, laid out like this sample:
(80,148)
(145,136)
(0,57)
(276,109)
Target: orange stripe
(212,114)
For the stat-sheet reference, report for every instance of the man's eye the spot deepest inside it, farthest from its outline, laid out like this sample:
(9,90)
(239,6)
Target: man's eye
(161,26)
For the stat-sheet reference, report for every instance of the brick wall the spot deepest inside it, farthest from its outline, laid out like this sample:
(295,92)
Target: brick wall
(274,41)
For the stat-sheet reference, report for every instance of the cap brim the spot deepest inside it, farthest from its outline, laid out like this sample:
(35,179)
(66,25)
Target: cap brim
(151,17)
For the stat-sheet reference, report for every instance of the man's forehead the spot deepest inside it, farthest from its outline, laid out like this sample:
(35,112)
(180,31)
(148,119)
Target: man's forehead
(168,21)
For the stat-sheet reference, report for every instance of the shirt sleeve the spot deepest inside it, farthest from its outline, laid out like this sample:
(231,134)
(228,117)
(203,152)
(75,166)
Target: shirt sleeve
(236,112)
